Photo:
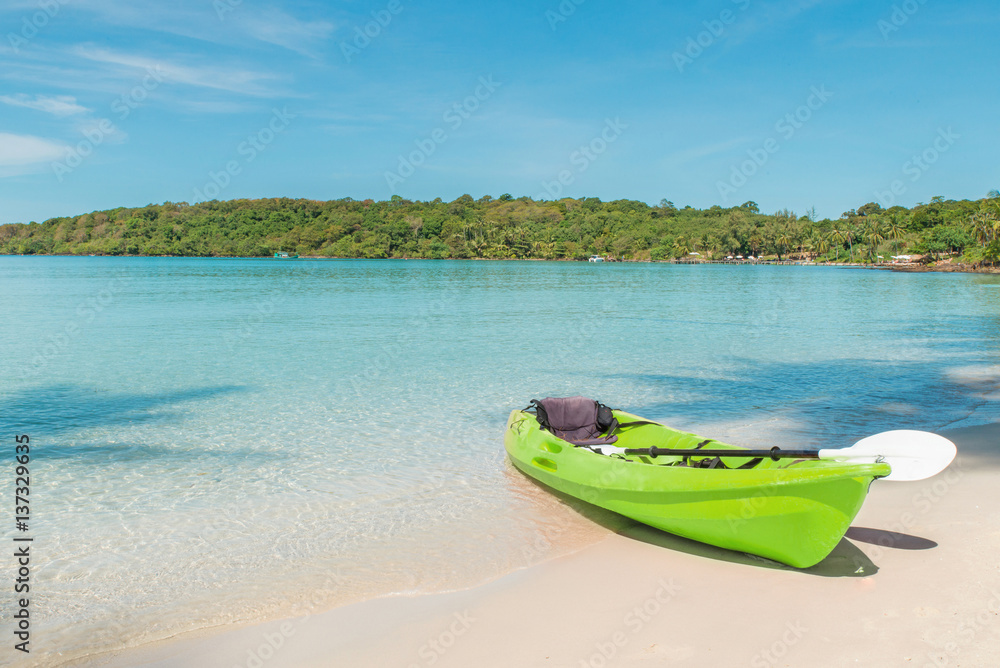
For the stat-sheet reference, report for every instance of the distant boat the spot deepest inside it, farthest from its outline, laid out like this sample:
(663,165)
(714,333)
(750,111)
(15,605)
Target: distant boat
(596,258)
(285,256)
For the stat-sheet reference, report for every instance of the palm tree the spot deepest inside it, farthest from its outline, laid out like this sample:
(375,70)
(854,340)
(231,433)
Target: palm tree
(980,226)
(709,243)
(800,236)
(681,248)
(837,237)
(518,242)
(820,243)
(985,225)
(894,230)
(782,242)
(874,236)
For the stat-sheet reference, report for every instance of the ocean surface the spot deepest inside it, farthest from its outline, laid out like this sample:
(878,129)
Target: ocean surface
(221,441)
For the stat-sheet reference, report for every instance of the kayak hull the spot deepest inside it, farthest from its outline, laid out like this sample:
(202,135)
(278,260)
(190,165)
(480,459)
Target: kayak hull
(792,511)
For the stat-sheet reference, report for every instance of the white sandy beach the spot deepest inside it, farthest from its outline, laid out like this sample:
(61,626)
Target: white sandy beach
(915,583)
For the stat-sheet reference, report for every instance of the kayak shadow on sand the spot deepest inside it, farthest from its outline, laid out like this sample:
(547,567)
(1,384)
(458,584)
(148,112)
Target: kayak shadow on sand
(846,560)
(893,539)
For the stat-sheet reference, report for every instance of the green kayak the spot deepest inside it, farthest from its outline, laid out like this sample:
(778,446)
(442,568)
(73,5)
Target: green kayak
(792,511)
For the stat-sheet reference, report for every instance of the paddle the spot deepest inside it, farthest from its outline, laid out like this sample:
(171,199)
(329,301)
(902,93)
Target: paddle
(913,455)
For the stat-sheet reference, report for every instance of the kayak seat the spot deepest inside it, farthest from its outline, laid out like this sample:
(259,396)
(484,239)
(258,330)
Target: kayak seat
(579,420)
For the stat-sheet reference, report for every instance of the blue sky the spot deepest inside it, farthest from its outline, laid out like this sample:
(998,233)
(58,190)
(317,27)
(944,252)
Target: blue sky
(790,103)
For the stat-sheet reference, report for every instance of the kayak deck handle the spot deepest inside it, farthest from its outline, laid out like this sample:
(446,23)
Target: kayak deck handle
(546,464)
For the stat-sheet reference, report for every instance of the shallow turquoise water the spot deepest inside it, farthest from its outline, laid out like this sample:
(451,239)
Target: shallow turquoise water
(229,440)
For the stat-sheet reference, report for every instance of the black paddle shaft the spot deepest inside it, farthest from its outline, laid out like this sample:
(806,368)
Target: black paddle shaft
(774,453)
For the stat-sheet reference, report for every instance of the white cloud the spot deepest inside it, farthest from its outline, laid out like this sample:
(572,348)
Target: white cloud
(99,128)
(217,22)
(694,153)
(60,105)
(276,27)
(247,82)
(21,150)
(215,106)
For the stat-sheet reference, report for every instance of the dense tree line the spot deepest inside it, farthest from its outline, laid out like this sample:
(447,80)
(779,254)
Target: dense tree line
(508,227)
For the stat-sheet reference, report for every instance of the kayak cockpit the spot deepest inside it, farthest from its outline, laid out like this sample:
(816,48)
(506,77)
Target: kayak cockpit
(734,462)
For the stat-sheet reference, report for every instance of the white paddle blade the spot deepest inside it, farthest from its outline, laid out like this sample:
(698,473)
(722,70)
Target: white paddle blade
(606,449)
(913,455)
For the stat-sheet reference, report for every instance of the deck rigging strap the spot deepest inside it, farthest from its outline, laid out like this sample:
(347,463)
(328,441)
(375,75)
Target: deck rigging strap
(634,423)
(716,462)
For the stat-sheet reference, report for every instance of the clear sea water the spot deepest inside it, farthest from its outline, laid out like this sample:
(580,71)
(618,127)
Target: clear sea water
(223,441)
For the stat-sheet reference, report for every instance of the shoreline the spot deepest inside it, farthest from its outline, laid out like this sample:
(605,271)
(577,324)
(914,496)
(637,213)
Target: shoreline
(915,579)
(903,268)
(945,269)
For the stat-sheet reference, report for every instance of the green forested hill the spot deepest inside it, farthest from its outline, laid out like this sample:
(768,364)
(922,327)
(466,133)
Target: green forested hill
(512,228)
